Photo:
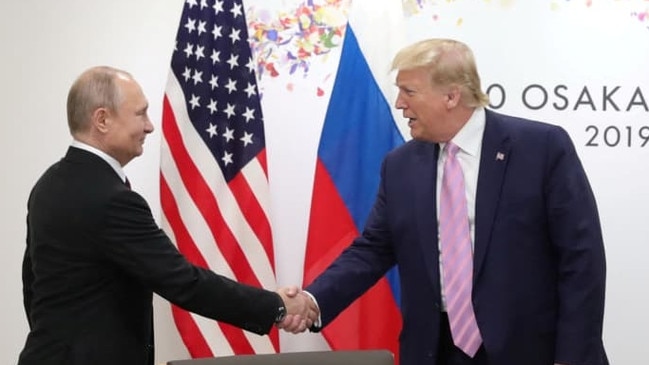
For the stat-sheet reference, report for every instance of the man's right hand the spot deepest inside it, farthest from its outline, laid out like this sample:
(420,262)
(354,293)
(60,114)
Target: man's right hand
(301,310)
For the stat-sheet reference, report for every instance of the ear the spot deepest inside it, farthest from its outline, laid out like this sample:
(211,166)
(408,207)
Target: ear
(453,97)
(100,119)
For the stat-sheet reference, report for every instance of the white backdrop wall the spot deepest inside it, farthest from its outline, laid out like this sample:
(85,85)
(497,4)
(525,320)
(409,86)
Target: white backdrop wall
(576,51)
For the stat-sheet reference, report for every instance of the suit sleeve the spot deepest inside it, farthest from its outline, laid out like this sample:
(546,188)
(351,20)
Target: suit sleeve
(28,279)
(133,241)
(575,233)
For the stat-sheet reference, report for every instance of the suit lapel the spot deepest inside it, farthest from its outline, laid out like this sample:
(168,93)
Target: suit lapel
(425,203)
(496,149)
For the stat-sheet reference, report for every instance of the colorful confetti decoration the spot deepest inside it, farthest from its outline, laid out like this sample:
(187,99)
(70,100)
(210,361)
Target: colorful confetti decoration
(642,16)
(288,42)
(415,7)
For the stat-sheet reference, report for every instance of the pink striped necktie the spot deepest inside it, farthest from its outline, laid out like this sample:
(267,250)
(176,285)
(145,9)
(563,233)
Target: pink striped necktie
(457,257)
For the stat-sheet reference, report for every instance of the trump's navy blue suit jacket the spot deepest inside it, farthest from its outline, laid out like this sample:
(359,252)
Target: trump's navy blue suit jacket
(539,265)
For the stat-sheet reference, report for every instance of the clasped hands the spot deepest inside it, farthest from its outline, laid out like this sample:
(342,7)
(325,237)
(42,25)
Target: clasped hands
(301,311)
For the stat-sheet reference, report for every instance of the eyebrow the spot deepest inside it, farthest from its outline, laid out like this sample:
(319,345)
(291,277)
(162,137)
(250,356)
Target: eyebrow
(143,109)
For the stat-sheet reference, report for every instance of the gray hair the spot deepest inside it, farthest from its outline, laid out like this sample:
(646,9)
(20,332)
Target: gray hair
(94,88)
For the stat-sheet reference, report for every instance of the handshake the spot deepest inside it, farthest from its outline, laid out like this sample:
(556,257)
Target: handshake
(301,310)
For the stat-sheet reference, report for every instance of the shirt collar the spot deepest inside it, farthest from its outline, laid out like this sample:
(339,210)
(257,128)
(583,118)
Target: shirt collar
(469,138)
(104,156)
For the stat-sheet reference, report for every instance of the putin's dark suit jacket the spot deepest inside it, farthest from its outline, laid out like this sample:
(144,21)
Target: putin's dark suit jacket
(539,266)
(95,255)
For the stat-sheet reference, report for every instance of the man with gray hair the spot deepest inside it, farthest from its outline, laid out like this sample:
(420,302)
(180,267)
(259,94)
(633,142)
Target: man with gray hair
(95,254)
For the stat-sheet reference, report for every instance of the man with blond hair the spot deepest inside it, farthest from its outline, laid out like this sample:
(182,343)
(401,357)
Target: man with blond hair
(492,223)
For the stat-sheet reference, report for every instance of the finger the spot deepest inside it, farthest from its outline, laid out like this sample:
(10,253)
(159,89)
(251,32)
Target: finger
(293,324)
(301,327)
(284,323)
(292,291)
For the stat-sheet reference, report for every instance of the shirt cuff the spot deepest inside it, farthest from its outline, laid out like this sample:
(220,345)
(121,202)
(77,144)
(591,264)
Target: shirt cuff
(318,323)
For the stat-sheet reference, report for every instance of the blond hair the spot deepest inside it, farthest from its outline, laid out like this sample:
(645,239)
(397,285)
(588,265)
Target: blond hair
(449,63)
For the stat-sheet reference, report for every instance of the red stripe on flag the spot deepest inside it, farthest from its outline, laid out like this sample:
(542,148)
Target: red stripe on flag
(373,321)
(262,160)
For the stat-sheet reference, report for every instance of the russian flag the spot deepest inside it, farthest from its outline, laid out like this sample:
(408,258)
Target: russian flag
(358,131)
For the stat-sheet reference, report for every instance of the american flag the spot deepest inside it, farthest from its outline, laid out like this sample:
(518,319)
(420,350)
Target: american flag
(213,174)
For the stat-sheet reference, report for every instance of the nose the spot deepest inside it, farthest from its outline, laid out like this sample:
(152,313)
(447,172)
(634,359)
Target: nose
(148,126)
(399,103)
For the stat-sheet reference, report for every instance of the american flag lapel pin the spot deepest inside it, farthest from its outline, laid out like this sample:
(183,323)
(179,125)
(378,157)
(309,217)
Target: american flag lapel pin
(500,156)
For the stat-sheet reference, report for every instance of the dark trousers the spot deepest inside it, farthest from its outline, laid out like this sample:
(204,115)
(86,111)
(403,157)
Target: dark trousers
(449,354)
